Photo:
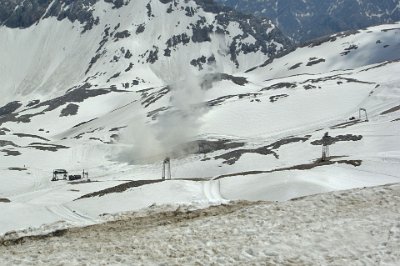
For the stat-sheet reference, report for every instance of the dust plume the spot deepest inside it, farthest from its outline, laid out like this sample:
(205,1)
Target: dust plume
(174,128)
(180,124)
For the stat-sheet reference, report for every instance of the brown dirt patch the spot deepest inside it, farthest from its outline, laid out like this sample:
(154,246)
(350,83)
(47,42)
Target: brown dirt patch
(120,188)
(4,200)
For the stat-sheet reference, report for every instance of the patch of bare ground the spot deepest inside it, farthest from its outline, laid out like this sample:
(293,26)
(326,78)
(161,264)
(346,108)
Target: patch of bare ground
(155,113)
(208,146)
(11,238)
(148,98)
(204,147)
(275,98)
(339,138)
(17,169)
(223,99)
(233,156)
(134,221)
(70,109)
(120,188)
(306,166)
(85,122)
(4,143)
(386,30)
(295,66)
(315,61)
(280,85)
(10,152)
(332,38)
(358,226)
(347,124)
(339,80)
(4,131)
(391,110)
(9,108)
(209,79)
(380,65)
(76,94)
(47,146)
(84,181)
(24,135)
(195,179)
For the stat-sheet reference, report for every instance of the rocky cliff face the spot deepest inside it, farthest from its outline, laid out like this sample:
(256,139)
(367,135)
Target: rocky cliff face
(304,20)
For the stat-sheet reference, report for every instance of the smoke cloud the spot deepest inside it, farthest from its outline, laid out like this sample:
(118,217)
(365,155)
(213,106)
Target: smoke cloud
(174,128)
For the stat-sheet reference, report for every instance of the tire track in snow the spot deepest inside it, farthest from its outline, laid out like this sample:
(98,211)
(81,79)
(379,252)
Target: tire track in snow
(70,216)
(212,191)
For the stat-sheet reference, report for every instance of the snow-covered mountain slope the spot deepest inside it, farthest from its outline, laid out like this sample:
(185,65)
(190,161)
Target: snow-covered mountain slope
(127,45)
(346,50)
(274,159)
(229,134)
(304,20)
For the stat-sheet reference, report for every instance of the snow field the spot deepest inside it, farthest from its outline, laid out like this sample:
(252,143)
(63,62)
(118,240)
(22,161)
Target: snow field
(350,227)
(256,121)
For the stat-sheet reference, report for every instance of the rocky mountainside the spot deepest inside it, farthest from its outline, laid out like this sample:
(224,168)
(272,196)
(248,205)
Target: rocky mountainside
(304,20)
(351,49)
(110,42)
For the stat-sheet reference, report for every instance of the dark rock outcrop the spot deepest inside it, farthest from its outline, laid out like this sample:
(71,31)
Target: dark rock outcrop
(307,20)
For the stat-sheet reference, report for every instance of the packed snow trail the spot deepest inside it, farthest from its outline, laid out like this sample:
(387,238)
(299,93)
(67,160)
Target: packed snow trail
(354,227)
(70,216)
(212,191)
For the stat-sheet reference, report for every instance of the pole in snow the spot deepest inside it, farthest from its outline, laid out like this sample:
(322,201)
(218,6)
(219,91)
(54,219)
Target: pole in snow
(365,112)
(166,169)
(325,147)
(85,174)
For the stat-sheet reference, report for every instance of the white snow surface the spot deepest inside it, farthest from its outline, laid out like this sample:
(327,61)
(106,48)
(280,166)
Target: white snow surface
(124,135)
(356,227)
(344,50)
